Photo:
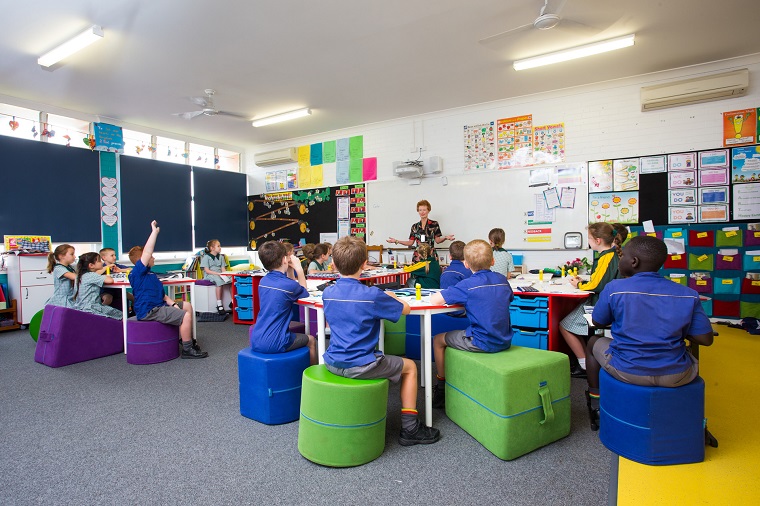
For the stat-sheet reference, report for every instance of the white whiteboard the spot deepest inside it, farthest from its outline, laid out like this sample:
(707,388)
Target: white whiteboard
(470,205)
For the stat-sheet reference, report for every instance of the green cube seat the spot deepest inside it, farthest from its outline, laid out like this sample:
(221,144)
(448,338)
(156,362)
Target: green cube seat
(512,402)
(342,422)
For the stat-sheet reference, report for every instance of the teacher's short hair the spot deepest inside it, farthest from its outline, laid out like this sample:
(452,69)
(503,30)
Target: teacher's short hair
(425,203)
(478,255)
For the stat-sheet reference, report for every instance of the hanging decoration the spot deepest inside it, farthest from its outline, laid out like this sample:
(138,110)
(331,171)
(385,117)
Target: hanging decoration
(47,133)
(139,149)
(13,124)
(152,148)
(34,131)
(68,140)
(89,141)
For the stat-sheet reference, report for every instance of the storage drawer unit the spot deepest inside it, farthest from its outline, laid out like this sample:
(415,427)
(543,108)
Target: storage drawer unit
(531,318)
(538,339)
(29,283)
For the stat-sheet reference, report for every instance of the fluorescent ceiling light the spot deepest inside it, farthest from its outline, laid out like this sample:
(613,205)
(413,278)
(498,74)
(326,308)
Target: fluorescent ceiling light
(573,53)
(81,41)
(300,113)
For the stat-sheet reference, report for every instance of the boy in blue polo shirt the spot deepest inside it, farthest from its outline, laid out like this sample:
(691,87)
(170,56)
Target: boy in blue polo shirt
(354,311)
(486,296)
(277,293)
(150,302)
(456,271)
(650,317)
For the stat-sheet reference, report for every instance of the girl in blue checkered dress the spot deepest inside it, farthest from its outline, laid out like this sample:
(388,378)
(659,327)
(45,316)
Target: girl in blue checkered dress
(59,264)
(89,282)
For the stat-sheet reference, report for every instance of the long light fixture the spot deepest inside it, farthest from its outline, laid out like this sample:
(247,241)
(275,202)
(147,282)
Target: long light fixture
(299,113)
(575,52)
(71,46)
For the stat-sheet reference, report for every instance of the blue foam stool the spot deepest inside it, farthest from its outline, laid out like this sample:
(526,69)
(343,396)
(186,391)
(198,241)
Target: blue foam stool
(653,425)
(270,384)
(439,322)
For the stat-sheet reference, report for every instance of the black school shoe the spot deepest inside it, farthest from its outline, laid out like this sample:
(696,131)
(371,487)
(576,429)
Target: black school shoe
(439,396)
(422,435)
(220,310)
(576,371)
(193,353)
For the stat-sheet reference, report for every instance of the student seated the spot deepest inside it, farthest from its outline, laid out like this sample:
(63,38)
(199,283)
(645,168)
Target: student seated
(486,296)
(277,293)
(651,317)
(502,259)
(319,261)
(88,285)
(456,271)
(64,275)
(354,311)
(428,276)
(150,302)
(112,296)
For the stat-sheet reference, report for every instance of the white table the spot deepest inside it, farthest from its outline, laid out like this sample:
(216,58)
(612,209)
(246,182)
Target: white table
(422,308)
(124,284)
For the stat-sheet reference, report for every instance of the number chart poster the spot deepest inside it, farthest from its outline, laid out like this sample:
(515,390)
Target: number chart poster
(614,207)
(479,146)
(515,141)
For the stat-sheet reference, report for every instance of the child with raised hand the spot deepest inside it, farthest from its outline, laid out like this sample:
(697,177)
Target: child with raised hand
(319,259)
(354,311)
(277,294)
(64,276)
(605,239)
(502,259)
(150,302)
(213,265)
(428,276)
(89,282)
(650,317)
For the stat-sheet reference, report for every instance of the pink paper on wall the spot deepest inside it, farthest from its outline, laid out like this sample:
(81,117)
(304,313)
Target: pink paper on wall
(369,169)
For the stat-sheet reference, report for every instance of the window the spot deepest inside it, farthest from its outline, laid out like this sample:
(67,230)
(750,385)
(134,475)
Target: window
(171,150)
(228,160)
(66,131)
(137,144)
(201,156)
(19,122)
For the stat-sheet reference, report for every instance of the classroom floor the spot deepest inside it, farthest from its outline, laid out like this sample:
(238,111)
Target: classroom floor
(729,473)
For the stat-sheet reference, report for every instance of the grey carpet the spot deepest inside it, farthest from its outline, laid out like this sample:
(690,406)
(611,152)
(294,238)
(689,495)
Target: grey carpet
(106,432)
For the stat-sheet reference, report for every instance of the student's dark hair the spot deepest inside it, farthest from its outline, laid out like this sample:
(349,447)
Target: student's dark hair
(289,249)
(307,250)
(621,234)
(456,250)
(497,236)
(319,250)
(53,255)
(84,266)
(349,255)
(271,254)
(650,251)
(210,243)
(105,250)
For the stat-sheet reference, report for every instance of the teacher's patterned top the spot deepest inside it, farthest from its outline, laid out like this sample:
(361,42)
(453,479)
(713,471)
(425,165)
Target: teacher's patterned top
(430,231)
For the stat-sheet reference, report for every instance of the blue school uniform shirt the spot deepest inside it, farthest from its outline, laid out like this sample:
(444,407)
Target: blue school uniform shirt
(486,296)
(454,273)
(146,288)
(277,293)
(650,317)
(354,311)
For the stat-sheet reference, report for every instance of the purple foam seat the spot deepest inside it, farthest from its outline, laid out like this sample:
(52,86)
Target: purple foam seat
(151,342)
(68,336)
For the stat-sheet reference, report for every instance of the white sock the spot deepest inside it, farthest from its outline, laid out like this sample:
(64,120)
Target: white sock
(582,363)
(219,304)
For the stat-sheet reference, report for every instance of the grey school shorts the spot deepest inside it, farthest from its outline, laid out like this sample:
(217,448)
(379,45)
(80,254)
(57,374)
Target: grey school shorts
(386,366)
(169,315)
(458,339)
(299,341)
(601,347)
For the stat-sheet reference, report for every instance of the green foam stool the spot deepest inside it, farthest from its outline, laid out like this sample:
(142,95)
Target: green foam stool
(342,421)
(512,402)
(395,337)
(34,324)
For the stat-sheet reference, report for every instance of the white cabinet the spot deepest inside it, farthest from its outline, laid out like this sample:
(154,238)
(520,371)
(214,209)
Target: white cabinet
(206,298)
(29,283)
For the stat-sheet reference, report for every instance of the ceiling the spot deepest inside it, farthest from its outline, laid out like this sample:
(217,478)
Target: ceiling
(353,62)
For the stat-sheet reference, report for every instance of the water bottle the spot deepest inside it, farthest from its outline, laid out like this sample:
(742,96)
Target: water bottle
(391,258)
(417,292)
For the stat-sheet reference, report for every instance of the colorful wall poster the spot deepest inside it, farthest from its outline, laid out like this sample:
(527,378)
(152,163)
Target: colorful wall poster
(652,164)
(303,156)
(315,154)
(356,146)
(739,127)
(600,176)
(713,177)
(304,177)
(342,153)
(549,143)
(625,174)
(686,214)
(317,178)
(479,146)
(713,195)
(355,167)
(515,141)
(713,213)
(682,179)
(716,158)
(682,197)
(328,152)
(682,161)
(291,176)
(745,165)
(369,169)
(746,201)
(341,172)
(12,242)
(614,207)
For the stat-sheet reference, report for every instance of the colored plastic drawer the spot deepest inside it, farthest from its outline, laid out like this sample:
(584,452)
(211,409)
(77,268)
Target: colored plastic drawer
(244,301)
(244,288)
(243,281)
(530,339)
(244,313)
(530,302)
(532,318)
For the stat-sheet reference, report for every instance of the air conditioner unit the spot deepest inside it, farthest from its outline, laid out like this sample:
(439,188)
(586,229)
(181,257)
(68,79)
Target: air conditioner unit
(278,157)
(693,91)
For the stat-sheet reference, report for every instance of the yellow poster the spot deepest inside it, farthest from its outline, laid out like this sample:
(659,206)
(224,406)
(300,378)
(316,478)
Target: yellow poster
(316,175)
(304,176)
(304,154)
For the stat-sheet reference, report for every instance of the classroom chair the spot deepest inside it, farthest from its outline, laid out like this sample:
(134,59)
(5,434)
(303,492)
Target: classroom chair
(342,420)
(68,336)
(653,425)
(151,342)
(511,402)
(270,384)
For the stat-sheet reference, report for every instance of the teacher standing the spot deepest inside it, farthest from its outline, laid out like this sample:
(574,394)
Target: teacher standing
(425,230)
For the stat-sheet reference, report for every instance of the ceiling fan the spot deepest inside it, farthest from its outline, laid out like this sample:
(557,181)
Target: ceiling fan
(544,22)
(207,103)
